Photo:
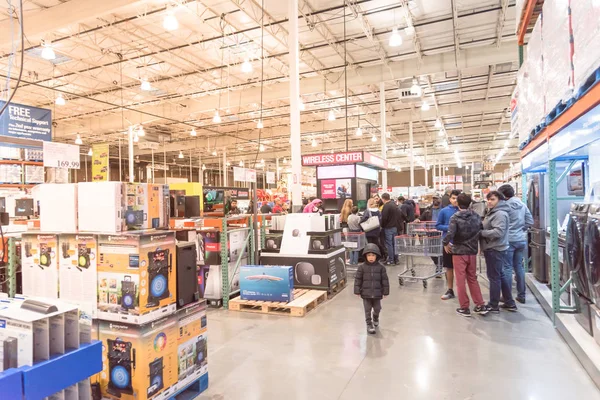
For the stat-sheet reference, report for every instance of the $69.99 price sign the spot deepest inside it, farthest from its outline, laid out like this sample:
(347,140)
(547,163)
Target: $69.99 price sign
(61,155)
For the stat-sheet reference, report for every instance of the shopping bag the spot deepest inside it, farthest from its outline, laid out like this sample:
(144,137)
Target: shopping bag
(370,224)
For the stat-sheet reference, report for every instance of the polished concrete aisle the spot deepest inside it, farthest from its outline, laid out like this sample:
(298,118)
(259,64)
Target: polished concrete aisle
(423,351)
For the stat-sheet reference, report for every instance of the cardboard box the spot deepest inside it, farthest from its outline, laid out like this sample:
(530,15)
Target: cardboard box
(209,247)
(101,206)
(192,351)
(39,264)
(58,207)
(147,206)
(78,278)
(136,276)
(267,283)
(139,361)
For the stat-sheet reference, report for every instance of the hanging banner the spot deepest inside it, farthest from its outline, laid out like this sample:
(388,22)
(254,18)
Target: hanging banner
(100,170)
(251,175)
(61,155)
(244,174)
(270,178)
(26,122)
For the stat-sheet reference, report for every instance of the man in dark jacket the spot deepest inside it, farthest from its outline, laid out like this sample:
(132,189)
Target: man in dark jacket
(441,225)
(462,242)
(446,197)
(371,283)
(389,222)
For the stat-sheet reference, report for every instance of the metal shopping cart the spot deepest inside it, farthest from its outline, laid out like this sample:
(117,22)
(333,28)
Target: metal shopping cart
(422,241)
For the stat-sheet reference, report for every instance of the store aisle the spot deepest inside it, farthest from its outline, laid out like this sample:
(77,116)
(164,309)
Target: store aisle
(423,351)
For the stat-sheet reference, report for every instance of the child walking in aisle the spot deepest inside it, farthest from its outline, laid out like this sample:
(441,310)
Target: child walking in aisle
(371,284)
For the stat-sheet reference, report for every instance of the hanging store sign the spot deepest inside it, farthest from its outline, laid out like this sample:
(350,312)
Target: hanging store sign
(374,160)
(61,155)
(270,178)
(26,122)
(244,174)
(100,153)
(331,159)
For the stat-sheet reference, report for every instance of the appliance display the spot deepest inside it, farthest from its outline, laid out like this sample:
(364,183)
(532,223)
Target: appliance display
(187,279)
(592,252)
(121,364)
(535,203)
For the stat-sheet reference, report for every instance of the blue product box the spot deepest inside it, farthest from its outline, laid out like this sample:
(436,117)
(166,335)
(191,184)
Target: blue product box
(267,283)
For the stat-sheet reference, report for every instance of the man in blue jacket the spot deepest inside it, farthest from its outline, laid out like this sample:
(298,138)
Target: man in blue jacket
(520,220)
(442,225)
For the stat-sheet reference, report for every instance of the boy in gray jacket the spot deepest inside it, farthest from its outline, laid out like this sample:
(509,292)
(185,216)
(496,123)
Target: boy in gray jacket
(494,244)
(520,220)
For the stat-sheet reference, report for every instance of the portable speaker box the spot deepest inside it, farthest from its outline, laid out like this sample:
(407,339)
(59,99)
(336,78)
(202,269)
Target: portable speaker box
(138,361)
(58,207)
(187,278)
(39,264)
(101,206)
(147,206)
(78,277)
(192,350)
(136,276)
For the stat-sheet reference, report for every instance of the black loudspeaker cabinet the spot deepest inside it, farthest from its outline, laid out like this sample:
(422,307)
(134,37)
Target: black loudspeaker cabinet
(192,206)
(156,377)
(83,258)
(187,276)
(177,204)
(121,364)
(45,255)
(127,293)
(160,263)
(201,355)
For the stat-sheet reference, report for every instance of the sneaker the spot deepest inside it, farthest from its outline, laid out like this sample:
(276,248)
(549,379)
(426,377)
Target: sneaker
(376,322)
(521,300)
(371,329)
(465,312)
(389,263)
(448,295)
(506,307)
(492,309)
(481,310)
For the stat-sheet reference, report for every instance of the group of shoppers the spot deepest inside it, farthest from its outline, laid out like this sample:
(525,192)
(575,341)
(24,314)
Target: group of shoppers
(501,237)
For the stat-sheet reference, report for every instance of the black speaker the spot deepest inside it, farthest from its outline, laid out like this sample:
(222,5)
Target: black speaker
(45,255)
(187,276)
(201,354)
(192,206)
(83,257)
(156,377)
(159,264)
(121,363)
(127,293)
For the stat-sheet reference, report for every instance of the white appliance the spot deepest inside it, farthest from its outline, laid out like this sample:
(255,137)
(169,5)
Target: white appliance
(101,206)
(58,207)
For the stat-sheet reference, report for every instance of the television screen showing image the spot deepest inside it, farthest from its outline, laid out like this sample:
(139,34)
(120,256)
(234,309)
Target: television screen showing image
(23,207)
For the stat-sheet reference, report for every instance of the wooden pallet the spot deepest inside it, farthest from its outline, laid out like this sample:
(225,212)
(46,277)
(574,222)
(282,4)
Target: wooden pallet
(304,301)
(336,288)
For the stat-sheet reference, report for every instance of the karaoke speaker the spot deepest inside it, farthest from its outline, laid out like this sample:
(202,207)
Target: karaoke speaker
(127,293)
(134,217)
(201,351)
(156,377)
(45,255)
(187,276)
(121,363)
(65,249)
(83,258)
(159,264)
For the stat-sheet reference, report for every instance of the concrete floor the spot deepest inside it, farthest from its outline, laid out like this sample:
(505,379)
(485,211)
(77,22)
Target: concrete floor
(423,351)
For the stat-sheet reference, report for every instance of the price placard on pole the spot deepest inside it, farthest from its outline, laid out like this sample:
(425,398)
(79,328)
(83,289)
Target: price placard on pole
(61,155)
(270,177)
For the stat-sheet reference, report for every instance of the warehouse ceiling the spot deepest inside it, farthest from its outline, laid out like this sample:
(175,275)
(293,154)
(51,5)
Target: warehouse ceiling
(462,53)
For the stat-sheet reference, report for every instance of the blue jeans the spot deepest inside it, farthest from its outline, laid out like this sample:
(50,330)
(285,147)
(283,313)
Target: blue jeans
(516,250)
(353,257)
(499,273)
(390,234)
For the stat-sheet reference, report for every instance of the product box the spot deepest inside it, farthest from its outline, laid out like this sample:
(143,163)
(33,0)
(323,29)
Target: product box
(209,247)
(192,350)
(147,206)
(312,271)
(78,271)
(267,283)
(101,206)
(213,289)
(57,207)
(273,242)
(32,336)
(136,276)
(139,361)
(39,264)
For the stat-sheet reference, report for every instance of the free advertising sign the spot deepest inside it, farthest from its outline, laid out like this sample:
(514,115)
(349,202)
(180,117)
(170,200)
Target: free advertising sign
(26,122)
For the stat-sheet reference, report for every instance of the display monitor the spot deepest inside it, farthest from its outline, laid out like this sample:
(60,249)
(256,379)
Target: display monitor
(24,207)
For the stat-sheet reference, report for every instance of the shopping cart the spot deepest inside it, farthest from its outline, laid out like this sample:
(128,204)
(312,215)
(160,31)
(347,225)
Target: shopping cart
(420,243)
(353,241)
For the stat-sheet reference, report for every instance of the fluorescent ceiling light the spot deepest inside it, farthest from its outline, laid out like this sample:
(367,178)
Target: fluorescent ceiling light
(60,100)
(78,140)
(217,118)
(247,66)
(395,38)
(170,22)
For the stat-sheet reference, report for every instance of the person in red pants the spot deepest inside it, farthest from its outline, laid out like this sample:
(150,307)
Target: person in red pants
(462,241)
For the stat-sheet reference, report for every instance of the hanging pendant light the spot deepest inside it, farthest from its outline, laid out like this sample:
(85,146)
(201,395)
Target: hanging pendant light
(359,131)
(90,152)
(415,89)
(247,66)
(441,133)
(261,148)
(284,160)
(203,167)
(259,125)
(145,86)
(214,152)
(78,140)
(331,116)
(395,38)
(180,154)
(170,22)
(241,163)
(135,137)
(193,132)
(438,123)
(425,106)
(314,143)
(217,117)
(373,138)
(48,51)
(60,100)
(301,105)
(141,132)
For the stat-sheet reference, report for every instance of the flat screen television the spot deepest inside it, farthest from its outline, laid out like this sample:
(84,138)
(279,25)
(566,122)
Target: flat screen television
(24,207)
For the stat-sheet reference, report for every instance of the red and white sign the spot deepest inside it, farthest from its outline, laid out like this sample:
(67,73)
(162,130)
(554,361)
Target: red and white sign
(328,189)
(374,160)
(332,159)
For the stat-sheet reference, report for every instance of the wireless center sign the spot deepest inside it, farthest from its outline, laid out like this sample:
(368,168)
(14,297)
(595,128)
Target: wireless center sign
(330,159)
